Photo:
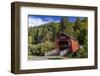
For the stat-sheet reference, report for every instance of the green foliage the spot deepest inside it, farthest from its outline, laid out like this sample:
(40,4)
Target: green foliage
(41,38)
(63,24)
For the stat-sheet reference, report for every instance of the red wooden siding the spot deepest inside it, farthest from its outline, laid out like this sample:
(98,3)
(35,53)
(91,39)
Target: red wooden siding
(74,46)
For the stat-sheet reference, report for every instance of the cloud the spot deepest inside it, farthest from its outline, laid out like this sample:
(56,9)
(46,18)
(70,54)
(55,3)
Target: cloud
(33,21)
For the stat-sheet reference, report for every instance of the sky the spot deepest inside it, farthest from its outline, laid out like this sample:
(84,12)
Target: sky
(36,20)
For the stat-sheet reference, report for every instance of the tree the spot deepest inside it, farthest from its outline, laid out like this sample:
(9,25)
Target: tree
(66,26)
(78,29)
(63,24)
(47,37)
(29,39)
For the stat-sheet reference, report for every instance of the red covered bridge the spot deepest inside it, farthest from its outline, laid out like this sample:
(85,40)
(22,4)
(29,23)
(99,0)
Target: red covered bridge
(64,41)
(64,45)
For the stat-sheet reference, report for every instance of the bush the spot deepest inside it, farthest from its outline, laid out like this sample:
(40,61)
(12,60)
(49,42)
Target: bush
(40,48)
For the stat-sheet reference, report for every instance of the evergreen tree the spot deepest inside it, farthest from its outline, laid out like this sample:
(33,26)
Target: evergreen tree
(63,24)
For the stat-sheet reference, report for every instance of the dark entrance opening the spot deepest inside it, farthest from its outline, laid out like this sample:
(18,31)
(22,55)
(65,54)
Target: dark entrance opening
(63,45)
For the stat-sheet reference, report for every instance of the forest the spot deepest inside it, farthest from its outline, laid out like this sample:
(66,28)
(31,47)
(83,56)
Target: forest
(41,38)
